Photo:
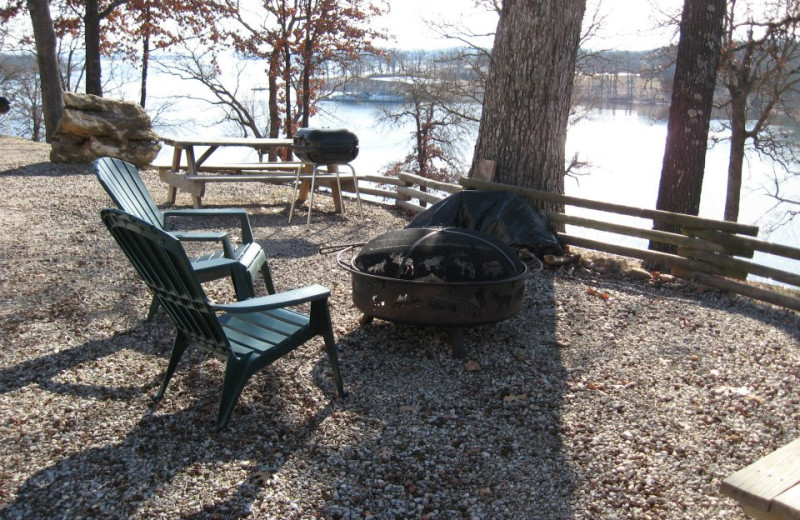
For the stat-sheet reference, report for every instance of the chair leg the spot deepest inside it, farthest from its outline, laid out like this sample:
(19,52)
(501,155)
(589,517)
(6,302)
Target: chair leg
(153,308)
(236,376)
(333,357)
(178,348)
(321,315)
(267,276)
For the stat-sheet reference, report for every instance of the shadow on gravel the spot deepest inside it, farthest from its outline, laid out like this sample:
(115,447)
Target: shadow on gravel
(47,169)
(165,449)
(41,370)
(162,452)
(446,438)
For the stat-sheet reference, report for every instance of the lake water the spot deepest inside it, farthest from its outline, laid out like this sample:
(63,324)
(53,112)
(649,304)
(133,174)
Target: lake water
(623,146)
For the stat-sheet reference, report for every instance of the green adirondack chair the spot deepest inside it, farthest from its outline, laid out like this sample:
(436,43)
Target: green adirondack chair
(248,335)
(123,183)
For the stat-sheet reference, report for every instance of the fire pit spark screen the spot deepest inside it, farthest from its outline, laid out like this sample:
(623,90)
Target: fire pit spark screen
(445,277)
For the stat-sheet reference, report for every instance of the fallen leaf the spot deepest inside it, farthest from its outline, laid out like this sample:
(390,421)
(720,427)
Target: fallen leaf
(472,366)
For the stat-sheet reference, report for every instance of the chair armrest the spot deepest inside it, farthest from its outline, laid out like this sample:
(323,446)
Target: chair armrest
(276,301)
(207,236)
(227,266)
(244,219)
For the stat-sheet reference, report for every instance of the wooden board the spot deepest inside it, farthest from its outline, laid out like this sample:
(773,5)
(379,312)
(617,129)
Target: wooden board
(771,485)
(787,504)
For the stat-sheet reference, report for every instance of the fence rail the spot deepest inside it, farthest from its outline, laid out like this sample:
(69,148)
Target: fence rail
(711,251)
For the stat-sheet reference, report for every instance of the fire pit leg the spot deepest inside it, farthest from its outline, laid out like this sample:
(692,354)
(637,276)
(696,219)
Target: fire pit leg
(366,319)
(457,342)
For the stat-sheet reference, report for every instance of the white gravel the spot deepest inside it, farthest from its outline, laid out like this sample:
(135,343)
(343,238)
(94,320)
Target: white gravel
(607,397)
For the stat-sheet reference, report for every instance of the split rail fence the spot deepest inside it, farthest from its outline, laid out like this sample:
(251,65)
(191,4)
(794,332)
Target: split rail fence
(714,252)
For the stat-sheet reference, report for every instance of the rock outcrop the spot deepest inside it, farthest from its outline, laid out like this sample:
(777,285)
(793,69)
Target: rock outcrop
(93,127)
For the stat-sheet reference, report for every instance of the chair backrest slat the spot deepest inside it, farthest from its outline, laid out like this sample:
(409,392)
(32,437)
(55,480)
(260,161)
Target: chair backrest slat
(162,263)
(125,186)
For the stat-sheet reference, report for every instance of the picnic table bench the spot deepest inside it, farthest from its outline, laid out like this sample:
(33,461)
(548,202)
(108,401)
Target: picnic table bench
(769,489)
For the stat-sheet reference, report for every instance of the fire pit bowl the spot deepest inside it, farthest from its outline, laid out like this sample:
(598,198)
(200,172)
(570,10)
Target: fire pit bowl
(444,277)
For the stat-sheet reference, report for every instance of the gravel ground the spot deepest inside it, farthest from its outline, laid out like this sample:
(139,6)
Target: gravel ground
(607,397)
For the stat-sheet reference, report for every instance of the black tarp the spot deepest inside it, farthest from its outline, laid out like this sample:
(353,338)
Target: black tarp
(506,216)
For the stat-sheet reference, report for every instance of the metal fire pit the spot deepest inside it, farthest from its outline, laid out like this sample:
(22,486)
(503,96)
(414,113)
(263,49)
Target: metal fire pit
(449,277)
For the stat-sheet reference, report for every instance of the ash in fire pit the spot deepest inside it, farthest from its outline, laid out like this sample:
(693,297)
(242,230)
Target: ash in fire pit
(448,277)
(443,255)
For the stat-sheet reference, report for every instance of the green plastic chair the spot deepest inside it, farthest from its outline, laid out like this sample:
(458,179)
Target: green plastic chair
(248,335)
(123,183)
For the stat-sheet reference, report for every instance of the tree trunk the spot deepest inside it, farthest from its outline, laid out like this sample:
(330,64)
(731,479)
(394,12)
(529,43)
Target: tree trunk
(690,112)
(526,106)
(287,79)
(145,63)
(307,70)
(736,159)
(272,82)
(91,27)
(47,59)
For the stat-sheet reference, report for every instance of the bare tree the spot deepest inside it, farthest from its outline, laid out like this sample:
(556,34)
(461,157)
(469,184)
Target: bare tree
(19,81)
(235,101)
(438,129)
(760,72)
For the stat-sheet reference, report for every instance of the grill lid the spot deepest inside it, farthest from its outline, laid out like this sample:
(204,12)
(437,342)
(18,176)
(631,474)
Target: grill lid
(325,146)
(438,255)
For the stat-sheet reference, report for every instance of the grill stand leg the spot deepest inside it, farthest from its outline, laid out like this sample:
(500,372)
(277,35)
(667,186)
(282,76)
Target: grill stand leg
(457,342)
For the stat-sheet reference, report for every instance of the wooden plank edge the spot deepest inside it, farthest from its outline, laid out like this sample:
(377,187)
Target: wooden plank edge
(661,216)
(747,485)
(414,208)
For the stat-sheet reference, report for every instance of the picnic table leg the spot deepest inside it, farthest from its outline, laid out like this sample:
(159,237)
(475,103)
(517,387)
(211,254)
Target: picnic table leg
(304,186)
(172,193)
(198,190)
(172,190)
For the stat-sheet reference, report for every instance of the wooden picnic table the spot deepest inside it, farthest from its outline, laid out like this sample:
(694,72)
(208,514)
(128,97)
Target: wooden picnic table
(190,172)
(193,163)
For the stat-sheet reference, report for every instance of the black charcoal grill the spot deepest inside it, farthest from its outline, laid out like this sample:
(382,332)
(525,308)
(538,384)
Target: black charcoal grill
(446,277)
(324,146)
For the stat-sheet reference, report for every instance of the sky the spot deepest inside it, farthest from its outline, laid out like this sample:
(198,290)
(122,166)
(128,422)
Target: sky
(628,23)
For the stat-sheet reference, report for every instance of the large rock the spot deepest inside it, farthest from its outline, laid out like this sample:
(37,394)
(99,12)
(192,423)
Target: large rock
(93,127)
